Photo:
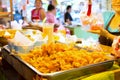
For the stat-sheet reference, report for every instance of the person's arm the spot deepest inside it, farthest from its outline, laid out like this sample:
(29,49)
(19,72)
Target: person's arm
(43,14)
(68,21)
(105,33)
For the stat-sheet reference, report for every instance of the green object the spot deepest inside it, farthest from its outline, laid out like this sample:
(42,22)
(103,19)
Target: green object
(82,77)
(80,33)
(84,34)
(102,76)
(107,74)
(115,66)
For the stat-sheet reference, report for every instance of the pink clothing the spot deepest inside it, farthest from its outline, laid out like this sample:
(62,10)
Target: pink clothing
(51,18)
(36,14)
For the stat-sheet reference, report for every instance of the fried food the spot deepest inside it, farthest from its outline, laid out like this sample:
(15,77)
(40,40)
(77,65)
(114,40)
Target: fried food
(54,57)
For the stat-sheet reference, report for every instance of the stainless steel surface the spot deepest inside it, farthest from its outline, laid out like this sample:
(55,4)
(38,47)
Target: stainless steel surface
(28,72)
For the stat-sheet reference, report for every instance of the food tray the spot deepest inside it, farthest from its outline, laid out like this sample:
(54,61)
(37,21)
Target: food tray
(28,72)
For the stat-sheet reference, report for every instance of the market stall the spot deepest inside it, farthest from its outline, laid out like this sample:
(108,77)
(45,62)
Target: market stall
(20,57)
(35,51)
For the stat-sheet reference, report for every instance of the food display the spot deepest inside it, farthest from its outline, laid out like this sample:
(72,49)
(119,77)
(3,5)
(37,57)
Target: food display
(7,33)
(38,50)
(55,57)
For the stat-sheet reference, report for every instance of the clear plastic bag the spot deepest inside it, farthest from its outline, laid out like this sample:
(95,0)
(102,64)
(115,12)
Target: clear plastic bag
(93,22)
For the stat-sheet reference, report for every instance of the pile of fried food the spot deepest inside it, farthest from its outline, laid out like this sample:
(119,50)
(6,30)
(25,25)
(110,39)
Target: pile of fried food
(55,57)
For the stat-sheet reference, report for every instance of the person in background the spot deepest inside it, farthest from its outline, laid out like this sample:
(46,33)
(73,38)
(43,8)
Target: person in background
(67,17)
(38,13)
(51,18)
(111,22)
(51,14)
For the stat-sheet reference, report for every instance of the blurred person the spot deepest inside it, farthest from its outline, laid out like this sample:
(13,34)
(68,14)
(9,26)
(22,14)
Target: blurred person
(110,34)
(51,18)
(51,14)
(111,23)
(67,16)
(38,13)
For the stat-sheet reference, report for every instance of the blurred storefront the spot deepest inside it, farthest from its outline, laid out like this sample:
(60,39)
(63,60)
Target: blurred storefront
(78,6)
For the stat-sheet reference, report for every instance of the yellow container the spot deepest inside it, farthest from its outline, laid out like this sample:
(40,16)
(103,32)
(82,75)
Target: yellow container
(48,31)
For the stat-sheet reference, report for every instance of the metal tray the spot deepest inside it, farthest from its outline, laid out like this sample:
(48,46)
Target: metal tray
(28,71)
